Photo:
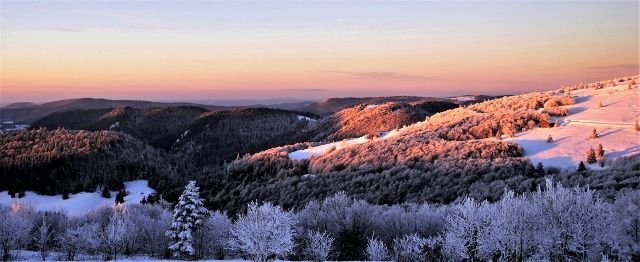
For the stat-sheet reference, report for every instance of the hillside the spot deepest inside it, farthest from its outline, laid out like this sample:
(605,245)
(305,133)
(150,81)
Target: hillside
(371,119)
(160,127)
(25,114)
(58,161)
(332,105)
(473,151)
(220,136)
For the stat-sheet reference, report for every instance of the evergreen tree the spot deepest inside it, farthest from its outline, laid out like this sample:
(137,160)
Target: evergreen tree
(637,125)
(105,192)
(582,167)
(600,151)
(540,169)
(120,197)
(65,195)
(591,156)
(549,139)
(188,216)
(594,134)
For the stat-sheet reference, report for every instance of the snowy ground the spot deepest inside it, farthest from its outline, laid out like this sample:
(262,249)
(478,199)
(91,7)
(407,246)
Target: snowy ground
(80,203)
(615,124)
(321,150)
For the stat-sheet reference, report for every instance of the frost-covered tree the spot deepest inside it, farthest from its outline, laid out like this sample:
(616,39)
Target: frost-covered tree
(318,245)
(467,231)
(266,231)
(409,248)
(114,234)
(43,237)
(14,231)
(188,216)
(215,235)
(79,239)
(376,250)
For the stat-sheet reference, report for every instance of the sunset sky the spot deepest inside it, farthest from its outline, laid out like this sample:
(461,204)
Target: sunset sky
(205,50)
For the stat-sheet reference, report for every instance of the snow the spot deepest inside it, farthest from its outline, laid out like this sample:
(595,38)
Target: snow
(80,203)
(372,106)
(114,126)
(614,123)
(306,118)
(464,98)
(323,149)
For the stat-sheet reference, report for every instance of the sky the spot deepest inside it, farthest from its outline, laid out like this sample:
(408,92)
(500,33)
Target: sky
(212,50)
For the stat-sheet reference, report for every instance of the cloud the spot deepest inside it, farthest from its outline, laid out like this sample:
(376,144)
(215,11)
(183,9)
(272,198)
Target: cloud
(385,75)
(613,67)
(306,90)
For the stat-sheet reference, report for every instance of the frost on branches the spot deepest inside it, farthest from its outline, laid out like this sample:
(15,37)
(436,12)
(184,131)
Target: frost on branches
(188,216)
(264,232)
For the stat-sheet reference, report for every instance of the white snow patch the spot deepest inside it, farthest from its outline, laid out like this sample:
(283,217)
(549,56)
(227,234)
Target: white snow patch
(326,148)
(372,106)
(464,98)
(306,118)
(614,123)
(114,126)
(80,203)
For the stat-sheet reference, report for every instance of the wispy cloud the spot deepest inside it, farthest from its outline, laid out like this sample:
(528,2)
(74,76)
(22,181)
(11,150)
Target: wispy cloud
(385,75)
(613,67)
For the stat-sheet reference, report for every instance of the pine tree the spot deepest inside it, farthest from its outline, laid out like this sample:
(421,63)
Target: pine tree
(600,151)
(120,197)
(549,139)
(188,216)
(594,134)
(591,156)
(105,192)
(582,167)
(637,125)
(540,169)
(600,105)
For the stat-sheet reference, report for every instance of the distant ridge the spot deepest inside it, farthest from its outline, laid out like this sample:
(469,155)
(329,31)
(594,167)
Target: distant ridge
(27,113)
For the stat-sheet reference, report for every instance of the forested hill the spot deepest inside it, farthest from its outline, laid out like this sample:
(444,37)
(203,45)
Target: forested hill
(27,113)
(160,127)
(332,105)
(370,119)
(58,161)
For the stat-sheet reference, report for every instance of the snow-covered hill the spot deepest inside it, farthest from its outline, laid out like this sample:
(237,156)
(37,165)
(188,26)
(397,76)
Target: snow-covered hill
(80,203)
(614,122)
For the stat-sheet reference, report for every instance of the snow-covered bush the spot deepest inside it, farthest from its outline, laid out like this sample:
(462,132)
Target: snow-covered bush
(188,216)
(409,248)
(318,246)
(376,250)
(265,232)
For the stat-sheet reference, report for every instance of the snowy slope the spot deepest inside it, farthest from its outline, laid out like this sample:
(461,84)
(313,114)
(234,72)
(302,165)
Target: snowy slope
(615,124)
(321,150)
(80,203)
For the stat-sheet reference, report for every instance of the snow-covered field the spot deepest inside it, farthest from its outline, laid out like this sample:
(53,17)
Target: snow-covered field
(326,148)
(614,123)
(80,203)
